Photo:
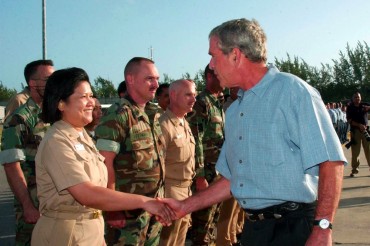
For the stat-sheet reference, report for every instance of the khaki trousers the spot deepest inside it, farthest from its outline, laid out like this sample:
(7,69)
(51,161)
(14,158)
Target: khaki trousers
(230,222)
(359,139)
(176,233)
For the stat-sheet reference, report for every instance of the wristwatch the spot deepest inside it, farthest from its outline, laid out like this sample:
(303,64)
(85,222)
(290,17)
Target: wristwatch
(323,224)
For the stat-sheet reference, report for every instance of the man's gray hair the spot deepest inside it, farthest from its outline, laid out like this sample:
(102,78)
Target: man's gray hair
(244,34)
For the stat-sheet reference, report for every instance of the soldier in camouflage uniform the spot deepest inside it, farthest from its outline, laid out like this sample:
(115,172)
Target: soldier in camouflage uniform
(16,101)
(207,123)
(130,139)
(23,132)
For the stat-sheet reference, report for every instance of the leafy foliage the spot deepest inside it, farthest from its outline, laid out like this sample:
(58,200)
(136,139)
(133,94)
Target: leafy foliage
(6,93)
(104,88)
(350,73)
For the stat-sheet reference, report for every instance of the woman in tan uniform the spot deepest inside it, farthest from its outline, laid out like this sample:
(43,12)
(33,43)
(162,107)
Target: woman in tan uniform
(71,175)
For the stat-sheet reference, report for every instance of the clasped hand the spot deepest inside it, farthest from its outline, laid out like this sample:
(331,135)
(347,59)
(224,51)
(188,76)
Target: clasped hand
(165,211)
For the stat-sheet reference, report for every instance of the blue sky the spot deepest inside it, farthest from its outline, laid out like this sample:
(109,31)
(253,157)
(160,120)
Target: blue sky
(100,36)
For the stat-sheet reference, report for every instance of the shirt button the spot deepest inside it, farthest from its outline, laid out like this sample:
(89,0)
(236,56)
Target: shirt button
(240,161)
(240,137)
(241,185)
(244,202)
(241,114)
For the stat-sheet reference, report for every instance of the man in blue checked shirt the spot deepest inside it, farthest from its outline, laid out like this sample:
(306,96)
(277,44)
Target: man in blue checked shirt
(281,158)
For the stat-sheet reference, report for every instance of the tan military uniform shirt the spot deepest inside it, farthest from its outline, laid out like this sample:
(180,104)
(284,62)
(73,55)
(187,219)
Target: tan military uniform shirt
(16,101)
(180,170)
(180,147)
(66,158)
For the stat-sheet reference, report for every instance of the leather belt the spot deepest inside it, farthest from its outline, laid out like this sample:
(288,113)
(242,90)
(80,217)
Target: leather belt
(275,212)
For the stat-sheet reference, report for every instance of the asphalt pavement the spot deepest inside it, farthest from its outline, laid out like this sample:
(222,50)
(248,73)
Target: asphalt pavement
(350,228)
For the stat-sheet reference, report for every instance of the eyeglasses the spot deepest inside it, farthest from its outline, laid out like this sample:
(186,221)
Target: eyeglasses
(40,79)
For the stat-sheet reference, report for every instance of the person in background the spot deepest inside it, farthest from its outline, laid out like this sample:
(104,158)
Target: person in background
(130,139)
(179,155)
(71,176)
(345,126)
(121,90)
(162,96)
(281,158)
(22,134)
(16,101)
(21,98)
(207,124)
(96,116)
(231,98)
(357,117)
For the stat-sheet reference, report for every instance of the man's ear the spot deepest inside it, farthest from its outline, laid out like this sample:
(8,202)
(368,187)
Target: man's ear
(129,79)
(61,105)
(236,54)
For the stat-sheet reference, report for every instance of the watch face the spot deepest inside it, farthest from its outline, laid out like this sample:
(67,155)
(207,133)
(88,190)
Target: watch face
(324,223)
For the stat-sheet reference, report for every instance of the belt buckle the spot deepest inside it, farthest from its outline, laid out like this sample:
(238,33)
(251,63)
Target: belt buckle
(95,214)
(250,217)
(292,206)
(261,216)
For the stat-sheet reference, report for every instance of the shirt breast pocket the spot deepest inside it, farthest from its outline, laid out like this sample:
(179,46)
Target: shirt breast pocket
(180,149)
(144,154)
(89,165)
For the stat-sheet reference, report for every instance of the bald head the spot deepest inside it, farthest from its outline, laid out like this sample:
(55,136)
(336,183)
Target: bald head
(182,97)
(176,85)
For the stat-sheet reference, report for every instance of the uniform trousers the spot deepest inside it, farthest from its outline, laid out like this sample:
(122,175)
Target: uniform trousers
(141,229)
(230,222)
(176,233)
(24,230)
(358,139)
(68,231)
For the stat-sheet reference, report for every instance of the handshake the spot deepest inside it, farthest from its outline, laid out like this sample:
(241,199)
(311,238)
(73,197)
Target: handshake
(165,211)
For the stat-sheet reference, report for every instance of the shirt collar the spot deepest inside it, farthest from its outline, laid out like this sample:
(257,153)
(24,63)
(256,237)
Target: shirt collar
(173,118)
(260,88)
(72,133)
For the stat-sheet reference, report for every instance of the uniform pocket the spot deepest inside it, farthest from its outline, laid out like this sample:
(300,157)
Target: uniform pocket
(144,154)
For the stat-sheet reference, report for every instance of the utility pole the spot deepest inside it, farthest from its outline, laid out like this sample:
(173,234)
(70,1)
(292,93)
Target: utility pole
(44,29)
(151,53)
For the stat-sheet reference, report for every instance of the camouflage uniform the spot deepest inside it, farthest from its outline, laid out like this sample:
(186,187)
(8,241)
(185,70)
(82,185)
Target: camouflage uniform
(137,139)
(16,101)
(207,124)
(22,134)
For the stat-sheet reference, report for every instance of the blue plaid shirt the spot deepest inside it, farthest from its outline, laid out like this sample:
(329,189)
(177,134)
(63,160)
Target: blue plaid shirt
(276,135)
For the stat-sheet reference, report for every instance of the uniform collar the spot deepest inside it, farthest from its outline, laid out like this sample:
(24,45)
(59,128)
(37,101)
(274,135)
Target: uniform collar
(173,118)
(71,133)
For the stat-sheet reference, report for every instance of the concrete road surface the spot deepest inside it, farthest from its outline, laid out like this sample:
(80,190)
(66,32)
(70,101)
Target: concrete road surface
(351,226)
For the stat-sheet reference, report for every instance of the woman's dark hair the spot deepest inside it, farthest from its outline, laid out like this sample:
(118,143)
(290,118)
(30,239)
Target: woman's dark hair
(59,87)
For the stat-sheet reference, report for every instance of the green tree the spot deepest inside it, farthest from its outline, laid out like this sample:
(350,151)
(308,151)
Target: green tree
(104,88)
(166,79)
(352,70)
(6,93)
(198,79)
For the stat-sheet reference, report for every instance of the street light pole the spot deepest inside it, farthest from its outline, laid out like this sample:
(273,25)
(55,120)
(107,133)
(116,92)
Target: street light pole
(44,29)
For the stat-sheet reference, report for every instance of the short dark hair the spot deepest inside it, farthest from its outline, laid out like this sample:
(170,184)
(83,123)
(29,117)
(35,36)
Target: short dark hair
(31,68)
(132,65)
(121,88)
(161,87)
(60,86)
(207,70)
